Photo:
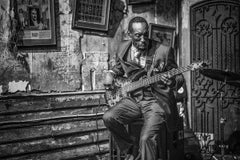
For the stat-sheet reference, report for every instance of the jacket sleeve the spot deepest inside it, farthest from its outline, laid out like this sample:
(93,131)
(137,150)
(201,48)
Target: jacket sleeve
(117,69)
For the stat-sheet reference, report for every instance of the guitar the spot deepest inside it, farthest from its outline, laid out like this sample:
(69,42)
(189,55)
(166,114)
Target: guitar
(122,88)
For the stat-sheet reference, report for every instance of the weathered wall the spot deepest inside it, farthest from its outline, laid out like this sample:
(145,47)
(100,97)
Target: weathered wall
(10,68)
(58,70)
(50,70)
(38,127)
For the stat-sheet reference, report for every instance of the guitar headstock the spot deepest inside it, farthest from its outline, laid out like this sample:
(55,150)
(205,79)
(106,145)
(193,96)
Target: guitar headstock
(199,65)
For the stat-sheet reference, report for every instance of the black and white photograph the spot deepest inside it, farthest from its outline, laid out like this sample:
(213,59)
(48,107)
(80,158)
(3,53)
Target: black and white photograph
(119,80)
(36,18)
(163,34)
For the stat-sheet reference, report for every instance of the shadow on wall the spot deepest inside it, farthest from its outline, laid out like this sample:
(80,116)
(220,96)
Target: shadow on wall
(117,12)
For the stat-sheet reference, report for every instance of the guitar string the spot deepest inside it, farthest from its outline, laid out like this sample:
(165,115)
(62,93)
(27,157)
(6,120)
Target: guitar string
(155,78)
(134,85)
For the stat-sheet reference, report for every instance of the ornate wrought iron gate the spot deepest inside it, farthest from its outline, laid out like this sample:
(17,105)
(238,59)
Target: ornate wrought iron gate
(215,37)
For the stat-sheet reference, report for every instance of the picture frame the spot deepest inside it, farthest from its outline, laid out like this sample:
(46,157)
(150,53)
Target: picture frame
(37,20)
(163,34)
(132,2)
(92,15)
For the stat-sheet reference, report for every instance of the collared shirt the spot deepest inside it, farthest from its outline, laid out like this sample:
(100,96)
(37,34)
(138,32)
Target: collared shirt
(138,56)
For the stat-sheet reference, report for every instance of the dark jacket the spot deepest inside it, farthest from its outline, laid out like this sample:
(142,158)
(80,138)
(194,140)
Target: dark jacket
(160,58)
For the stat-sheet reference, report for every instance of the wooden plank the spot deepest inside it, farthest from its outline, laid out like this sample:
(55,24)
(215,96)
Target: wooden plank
(48,104)
(44,95)
(52,143)
(38,132)
(50,121)
(61,154)
(103,155)
(52,113)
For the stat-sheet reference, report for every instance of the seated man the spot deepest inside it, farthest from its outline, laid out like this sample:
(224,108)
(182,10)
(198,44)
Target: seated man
(141,58)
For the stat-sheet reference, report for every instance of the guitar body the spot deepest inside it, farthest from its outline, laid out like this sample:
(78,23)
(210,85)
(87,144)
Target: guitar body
(114,94)
(117,92)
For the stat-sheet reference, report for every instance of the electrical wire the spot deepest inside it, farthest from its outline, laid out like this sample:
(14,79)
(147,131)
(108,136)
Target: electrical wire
(97,127)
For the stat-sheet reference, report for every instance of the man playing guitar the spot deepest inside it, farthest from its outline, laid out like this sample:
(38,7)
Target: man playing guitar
(138,59)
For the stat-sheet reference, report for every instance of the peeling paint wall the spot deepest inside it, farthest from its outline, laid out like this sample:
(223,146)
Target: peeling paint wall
(78,55)
(57,126)
(10,68)
(58,71)
(50,70)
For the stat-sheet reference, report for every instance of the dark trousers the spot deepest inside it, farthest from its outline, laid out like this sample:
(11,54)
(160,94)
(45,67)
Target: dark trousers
(126,111)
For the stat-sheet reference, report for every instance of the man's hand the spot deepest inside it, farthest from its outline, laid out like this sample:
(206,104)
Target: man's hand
(108,81)
(166,80)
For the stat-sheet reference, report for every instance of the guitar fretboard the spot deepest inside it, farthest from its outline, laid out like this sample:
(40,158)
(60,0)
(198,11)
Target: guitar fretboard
(153,79)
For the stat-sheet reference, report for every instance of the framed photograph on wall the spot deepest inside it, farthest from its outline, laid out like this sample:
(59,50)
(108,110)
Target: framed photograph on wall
(93,15)
(37,19)
(162,34)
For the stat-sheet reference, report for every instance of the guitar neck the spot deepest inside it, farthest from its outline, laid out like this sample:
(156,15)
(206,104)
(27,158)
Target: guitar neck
(153,79)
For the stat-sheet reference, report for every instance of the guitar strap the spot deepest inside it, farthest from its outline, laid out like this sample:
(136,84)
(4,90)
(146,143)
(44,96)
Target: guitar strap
(151,58)
(149,64)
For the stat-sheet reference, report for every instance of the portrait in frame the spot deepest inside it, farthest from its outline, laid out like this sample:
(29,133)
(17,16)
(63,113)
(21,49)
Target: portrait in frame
(37,20)
(91,14)
(162,34)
